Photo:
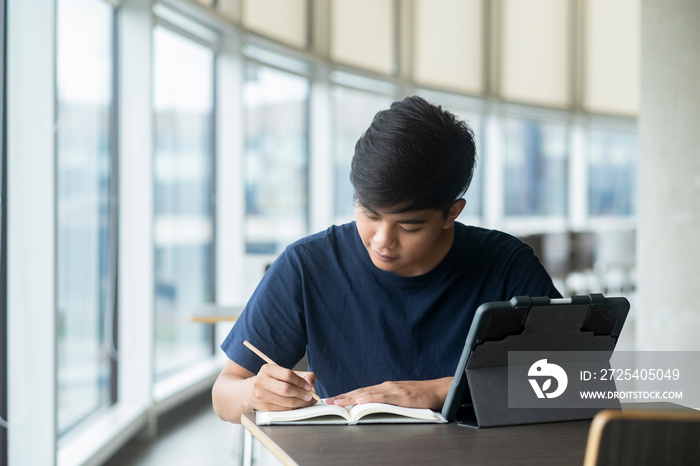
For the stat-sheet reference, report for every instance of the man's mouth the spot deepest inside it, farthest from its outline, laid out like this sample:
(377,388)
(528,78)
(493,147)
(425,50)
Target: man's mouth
(383,258)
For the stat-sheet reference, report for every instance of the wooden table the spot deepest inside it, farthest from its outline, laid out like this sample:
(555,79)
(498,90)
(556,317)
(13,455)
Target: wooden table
(213,314)
(557,443)
(562,443)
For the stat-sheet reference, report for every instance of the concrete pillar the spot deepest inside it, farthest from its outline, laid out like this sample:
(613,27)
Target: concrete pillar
(668,253)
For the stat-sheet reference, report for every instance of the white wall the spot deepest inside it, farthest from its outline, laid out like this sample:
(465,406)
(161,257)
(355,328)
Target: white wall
(668,254)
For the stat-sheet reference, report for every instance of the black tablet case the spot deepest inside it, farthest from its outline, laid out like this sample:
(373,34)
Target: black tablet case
(478,396)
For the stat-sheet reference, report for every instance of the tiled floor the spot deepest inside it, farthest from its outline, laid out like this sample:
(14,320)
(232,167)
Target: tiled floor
(190,435)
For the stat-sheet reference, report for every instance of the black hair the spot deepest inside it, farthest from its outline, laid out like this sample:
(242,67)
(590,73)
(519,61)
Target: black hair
(414,156)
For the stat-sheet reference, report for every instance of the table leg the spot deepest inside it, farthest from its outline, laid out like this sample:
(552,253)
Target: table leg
(246,447)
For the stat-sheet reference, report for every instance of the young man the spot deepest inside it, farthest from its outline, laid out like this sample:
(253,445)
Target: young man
(380,306)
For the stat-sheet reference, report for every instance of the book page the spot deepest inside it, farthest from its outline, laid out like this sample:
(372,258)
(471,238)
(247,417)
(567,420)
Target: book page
(320,412)
(381,412)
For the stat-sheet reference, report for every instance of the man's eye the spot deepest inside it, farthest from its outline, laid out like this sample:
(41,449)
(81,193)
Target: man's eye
(414,230)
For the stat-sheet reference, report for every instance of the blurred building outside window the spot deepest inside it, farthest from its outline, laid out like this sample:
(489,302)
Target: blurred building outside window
(276,158)
(84,232)
(183,208)
(535,168)
(612,170)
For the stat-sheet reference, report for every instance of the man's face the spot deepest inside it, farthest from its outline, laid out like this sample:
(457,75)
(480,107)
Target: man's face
(407,243)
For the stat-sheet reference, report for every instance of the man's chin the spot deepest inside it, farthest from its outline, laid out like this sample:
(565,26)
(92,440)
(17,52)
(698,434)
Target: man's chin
(386,266)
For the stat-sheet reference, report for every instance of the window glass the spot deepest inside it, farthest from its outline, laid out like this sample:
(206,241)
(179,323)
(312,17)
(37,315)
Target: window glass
(276,158)
(84,175)
(536,167)
(611,173)
(183,172)
(353,111)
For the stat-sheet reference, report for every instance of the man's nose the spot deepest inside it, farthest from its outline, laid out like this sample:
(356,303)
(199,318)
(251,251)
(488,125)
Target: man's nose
(384,237)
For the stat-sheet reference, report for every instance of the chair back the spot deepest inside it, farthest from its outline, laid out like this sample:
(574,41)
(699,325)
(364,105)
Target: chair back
(639,438)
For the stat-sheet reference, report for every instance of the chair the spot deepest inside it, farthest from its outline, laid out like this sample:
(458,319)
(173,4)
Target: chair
(580,278)
(640,438)
(568,257)
(552,249)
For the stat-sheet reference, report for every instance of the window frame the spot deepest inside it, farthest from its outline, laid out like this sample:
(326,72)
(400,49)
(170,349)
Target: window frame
(31,237)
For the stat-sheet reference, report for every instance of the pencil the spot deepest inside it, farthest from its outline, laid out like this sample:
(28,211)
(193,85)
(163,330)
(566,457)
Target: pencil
(264,357)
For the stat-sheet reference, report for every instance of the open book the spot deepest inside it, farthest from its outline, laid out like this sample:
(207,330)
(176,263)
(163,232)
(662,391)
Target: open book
(368,413)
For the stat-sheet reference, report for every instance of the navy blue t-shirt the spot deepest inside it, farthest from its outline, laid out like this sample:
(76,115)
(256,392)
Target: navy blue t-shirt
(361,326)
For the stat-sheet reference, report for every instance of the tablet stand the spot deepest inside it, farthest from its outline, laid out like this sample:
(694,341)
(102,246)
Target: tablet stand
(583,329)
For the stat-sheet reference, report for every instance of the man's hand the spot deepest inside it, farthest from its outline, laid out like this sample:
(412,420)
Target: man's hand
(278,389)
(274,388)
(411,394)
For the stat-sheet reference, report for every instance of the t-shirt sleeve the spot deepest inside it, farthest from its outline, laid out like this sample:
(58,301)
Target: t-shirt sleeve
(273,319)
(526,276)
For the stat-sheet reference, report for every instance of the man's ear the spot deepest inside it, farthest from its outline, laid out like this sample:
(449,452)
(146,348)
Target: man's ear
(456,209)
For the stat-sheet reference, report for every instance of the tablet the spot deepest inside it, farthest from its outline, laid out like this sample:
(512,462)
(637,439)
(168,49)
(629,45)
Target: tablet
(578,323)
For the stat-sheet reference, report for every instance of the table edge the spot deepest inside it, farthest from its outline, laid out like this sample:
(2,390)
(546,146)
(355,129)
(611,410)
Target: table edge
(248,422)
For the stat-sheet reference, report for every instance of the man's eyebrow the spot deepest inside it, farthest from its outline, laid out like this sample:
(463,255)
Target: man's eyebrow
(406,221)
(412,221)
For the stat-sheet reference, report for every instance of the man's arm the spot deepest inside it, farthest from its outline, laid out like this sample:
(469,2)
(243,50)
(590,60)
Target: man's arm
(274,388)
(411,394)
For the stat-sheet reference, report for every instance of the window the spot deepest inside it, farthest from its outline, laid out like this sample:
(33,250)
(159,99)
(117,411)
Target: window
(77,172)
(276,158)
(611,173)
(184,219)
(536,168)
(85,232)
(353,111)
